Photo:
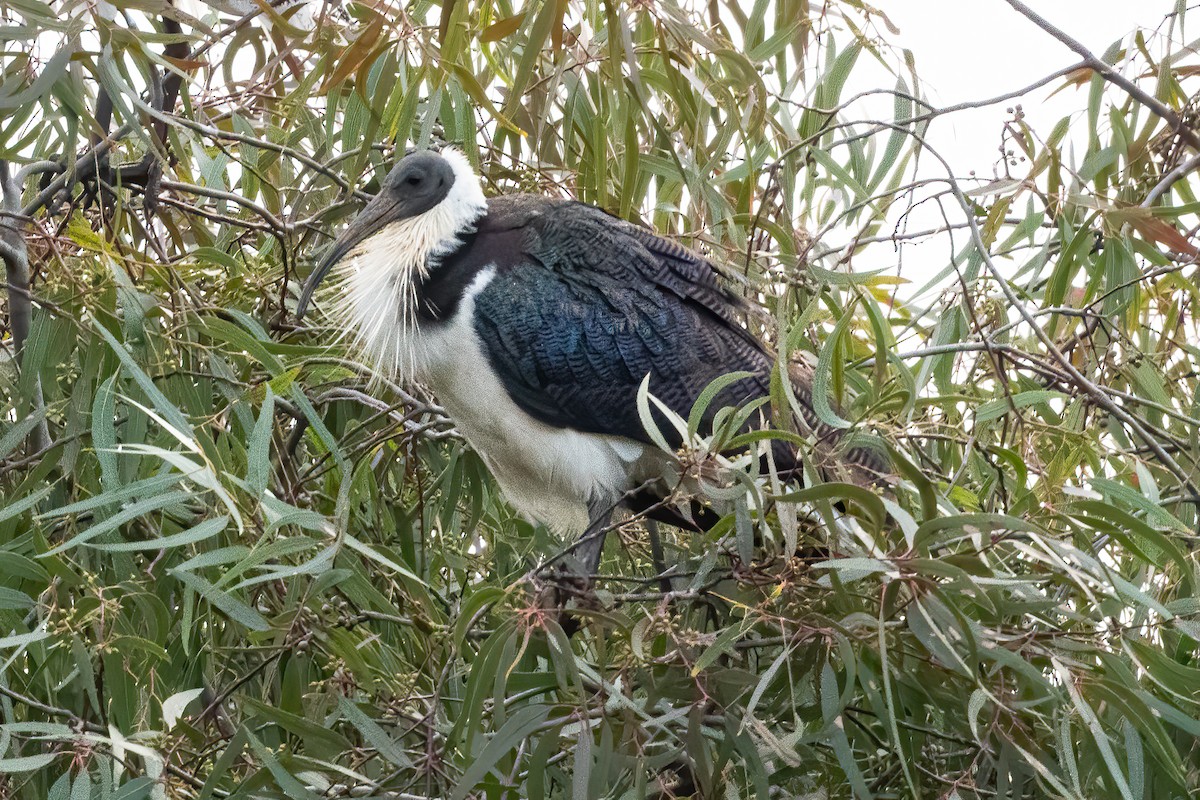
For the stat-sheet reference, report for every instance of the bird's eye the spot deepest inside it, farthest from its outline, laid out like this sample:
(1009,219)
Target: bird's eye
(413,180)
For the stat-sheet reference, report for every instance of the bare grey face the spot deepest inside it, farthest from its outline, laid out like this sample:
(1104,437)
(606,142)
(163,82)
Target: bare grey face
(417,183)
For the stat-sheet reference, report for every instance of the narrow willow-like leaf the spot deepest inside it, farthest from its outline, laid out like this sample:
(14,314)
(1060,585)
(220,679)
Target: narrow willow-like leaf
(121,518)
(196,533)
(224,601)
(822,378)
(258,454)
(522,722)
(160,402)
(373,734)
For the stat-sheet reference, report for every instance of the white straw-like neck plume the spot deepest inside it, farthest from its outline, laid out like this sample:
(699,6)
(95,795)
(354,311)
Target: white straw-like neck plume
(377,281)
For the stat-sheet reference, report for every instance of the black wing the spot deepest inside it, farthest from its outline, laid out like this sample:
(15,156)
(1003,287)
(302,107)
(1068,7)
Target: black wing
(591,305)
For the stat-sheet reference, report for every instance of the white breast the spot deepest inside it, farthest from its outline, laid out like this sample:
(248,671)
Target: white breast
(548,474)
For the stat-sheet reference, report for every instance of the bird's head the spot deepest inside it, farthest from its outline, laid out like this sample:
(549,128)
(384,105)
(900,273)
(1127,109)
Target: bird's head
(426,202)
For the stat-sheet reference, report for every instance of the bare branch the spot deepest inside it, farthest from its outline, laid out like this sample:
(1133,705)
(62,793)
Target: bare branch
(1111,75)
(16,260)
(1169,180)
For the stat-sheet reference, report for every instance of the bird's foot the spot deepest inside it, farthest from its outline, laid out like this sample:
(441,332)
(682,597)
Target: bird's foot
(568,581)
(564,588)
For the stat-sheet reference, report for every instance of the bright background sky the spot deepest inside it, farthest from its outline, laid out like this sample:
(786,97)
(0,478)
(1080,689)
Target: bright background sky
(976,49)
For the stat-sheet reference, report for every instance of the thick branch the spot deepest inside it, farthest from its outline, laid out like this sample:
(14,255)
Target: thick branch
(83,164)
(16,261)
(1111,75)
(20,306)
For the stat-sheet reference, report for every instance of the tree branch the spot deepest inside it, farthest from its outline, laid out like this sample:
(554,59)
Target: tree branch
(1111,75)
(1169,180)
(16,261)
(15,255)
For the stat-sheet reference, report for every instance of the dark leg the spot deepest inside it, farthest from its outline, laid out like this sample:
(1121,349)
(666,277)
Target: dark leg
(656,553)
(586,551)
(582,560)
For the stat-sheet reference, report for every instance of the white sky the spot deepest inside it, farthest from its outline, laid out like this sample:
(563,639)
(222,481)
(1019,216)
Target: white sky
(976,49)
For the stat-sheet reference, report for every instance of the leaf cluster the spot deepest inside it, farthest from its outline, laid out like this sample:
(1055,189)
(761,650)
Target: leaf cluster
(235,564)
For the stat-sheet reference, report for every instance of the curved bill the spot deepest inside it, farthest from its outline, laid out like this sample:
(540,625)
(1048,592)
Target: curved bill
(378,214)
(335,254)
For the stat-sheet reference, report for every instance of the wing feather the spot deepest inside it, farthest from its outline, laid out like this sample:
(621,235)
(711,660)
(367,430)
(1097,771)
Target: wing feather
(594,304)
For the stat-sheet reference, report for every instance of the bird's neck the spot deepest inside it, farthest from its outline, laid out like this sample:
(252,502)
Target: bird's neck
(386,282)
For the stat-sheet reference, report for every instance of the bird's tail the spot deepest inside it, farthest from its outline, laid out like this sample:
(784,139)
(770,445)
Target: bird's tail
(860,465)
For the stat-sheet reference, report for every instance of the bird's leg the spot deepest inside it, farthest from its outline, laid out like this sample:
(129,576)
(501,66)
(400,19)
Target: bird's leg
(576,573)
(656,553)
(586,551)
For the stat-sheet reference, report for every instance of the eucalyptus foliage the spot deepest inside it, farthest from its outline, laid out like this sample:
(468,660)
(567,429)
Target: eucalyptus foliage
(234,564)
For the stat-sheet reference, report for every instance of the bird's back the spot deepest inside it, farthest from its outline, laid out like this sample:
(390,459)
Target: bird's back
(537,325)
(583,306)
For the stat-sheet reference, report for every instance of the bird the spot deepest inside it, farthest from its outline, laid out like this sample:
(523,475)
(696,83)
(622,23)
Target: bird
(534,321)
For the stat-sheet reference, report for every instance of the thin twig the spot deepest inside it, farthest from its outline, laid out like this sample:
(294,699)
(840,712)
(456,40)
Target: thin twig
(1097,393)
(1169,180)
(1110,74)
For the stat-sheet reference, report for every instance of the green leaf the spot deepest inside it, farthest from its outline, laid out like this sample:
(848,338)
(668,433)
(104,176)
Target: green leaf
(233,608)
(373,734)
(291,787)
(120,519)
(15,435)
(822,375)
(502,28)
(994,409)
(104,432)
(197,533)
(258,455)
(706,397)
(511,735)
(720,646)
(52,71)
(147,487)
(171,415)
(27,763)
(19,507)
